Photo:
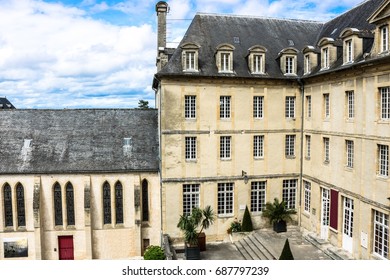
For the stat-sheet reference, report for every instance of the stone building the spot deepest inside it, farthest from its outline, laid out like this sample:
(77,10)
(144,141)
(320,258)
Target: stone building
(78,184)
(253,108)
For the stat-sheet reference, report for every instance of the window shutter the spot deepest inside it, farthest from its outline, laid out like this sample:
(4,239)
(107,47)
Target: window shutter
(334,201)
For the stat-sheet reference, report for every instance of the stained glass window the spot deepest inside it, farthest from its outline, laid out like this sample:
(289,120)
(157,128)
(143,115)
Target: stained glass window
(57,205)
(20,206)
(70,204)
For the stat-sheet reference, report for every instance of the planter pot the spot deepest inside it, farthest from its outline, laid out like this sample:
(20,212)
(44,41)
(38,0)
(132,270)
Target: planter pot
(280,226)
(202,241)
(192,252)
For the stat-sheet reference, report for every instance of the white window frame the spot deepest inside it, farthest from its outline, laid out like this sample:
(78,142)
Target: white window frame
(326,142)
(307,196)
(190,57)
(289,193)
(225,148)
(190,106)
(226,61)
(383,160)
(190,197)
(381,235)
(326,97)
(258,64)
(225,199)
(258,106)
(349,147)
(308,105)
(349,51)
(308,146)
(190,148)
(290,146)
(384,33)
(350,98)
(258,146)
(290,107)
(307,64)
(290,65)
(258,196)
(325,58)
(224,107)
(385,103)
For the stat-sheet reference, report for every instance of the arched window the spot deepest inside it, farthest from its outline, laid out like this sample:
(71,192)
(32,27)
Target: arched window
(106,203)
(20,205)
(145,201)
(8,206)
(57,204)
(70,204)
(118,203)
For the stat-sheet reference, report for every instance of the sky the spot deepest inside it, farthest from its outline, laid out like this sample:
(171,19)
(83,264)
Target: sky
(57,54)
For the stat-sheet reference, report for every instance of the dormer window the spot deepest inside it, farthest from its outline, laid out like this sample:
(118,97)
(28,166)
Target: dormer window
(307,65)
(325,58)
(290,65)
(328,52)
(348,51)
(256,59)
(224,58)
(190,54)
(384,33)
(352,44)
(310,59)
(288,61)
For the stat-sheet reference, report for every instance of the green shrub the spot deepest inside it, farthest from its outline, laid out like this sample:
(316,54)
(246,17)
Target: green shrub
(286,253)
(247,221)
(234,227)
(154,253)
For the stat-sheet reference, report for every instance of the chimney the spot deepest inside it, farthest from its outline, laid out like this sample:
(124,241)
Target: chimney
(162,10)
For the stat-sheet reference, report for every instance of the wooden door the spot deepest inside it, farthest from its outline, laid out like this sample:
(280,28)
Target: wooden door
(65,247)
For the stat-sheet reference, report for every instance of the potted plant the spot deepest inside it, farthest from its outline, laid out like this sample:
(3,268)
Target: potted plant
(278,214)
(189,224)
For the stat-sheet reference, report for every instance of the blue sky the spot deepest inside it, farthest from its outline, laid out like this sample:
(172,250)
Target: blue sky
(101,54)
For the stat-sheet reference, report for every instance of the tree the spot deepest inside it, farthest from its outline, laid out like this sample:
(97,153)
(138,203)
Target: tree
(247,221)
(286,253)
(143,104)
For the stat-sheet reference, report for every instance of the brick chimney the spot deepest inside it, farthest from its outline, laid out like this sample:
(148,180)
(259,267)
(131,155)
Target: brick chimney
(162,10)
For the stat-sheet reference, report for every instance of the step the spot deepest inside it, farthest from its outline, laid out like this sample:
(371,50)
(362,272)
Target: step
(267,255)
(248,249)
(262,238)
(242,250)
(257,255)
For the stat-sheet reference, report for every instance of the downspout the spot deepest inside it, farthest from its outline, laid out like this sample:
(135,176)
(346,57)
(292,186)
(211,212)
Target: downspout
(302,88)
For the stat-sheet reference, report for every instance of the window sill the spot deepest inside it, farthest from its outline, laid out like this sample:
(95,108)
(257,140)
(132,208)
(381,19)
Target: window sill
(258,158)
(307,158)
(383,121)
(225,216)
(306,214)
(191,161)
(225,159)
(191,71)
(290,157)
(190,119)
(382,177)
(348,168)
(350,120)
(326,162)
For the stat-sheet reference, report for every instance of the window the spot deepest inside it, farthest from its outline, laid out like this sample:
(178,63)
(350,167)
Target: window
(385,103)
(190,57)
(307,64)
(20,207)
(190,107)
(57,204)
(307,200)
(258,146)
(257,196)
(225,62)
(145,200)
(257,64)
(308,106)
(225,199)
(326,150)
(290,107)
(190,61)
(118,203)
(290,146)
(225,147)
(190,197)
(349,150)
(381,234)
(8,215)
(190,148)
(290,65)
(258,102)
(70,204)
(383,160)
(106,203)
(256,59)
(308,144)
(224,58)
(349,51)
(325,58)
(326,105)
(289,193)
(384,38)
(224,107)
(350,104)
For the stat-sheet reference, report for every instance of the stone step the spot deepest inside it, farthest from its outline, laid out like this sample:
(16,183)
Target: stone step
(242,250)
(248,248)
(267,255)
(263,238)
(252,249)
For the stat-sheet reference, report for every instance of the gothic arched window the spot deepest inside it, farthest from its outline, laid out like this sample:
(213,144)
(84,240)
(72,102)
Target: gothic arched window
(57,204)
(106,203)
(21,212)
(118,203)
(70,204)
(145,201)
(8,206)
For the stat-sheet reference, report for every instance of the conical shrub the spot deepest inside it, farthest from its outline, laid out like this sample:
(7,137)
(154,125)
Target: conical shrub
(286,253)
(247,221)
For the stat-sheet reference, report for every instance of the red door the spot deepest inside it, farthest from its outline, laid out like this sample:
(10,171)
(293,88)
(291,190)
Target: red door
(65,247)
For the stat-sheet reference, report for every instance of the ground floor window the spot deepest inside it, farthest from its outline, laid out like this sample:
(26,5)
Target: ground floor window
(289,192)
(190,197)
(257,196)
(307,196)
(381,234)
(225,198)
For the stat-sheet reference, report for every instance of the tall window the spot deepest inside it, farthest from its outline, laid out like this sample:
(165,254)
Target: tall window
(225,147)
(290,65)
(349,150)
(258,64)
(307,196)
(290,107)
(326,149)
(190,148)
(70,204)
(290,146)
(190,106)
(224,107)
(308,146)
(257,196)
(385,103)
(289,192)
(381,234)
(190,60)
(20,208)
(385,38)
(190,197)
(326,105)
(225,62)
(307,64)
(106,203)
(325,58)
(145,201)
(258,146)
(258,102)
(350,104)
(225,199)
(8,216)
(57,204)
(349,51)
(383,160)
(308,106)
(118,203)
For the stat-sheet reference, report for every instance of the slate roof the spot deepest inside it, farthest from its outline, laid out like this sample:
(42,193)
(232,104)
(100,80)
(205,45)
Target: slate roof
(210,30)
(78,141)
(5,104)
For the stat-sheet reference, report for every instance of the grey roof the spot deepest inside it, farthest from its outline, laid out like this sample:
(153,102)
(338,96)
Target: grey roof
(78,141)
(5,103)
(208,31)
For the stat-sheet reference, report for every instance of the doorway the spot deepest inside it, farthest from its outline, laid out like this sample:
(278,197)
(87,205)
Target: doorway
(65,247)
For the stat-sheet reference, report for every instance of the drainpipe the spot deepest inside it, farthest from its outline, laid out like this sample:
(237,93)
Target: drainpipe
(302,88)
